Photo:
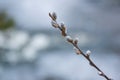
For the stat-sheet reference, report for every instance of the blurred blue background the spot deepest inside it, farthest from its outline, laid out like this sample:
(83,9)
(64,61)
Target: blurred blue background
(30,49)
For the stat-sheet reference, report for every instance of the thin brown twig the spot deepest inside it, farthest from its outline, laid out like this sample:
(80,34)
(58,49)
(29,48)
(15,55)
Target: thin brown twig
(62,28)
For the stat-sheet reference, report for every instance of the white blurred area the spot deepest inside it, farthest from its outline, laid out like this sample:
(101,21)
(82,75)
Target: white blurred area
(17,39)
(21,46)
(38,42)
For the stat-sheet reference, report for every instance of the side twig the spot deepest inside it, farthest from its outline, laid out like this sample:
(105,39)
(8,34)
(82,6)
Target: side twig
(74,42)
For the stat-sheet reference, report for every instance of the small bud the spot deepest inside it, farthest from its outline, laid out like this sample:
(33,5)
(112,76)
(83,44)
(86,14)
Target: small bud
(76,41)
(63,28)
(69,39)
(100,73)
(64,31)
(91,64)
(74,48)
(50,15)
(76,51)
(62,24)
(77,38)
(54,24)
(54,16)
(88,52)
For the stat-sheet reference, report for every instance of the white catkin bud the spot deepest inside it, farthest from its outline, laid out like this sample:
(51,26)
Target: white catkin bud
(54,24)
(100,73)
(54,15)
(74,48)
(76,40)
(76,51)
(62,24)
(88,52)
(68,38)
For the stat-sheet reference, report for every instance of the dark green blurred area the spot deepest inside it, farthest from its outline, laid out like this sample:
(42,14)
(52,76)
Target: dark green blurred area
(6,22)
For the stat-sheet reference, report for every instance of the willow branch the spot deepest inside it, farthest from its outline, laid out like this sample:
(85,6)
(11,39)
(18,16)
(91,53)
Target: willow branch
(74,42)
